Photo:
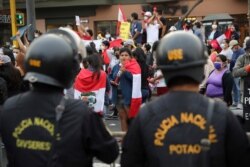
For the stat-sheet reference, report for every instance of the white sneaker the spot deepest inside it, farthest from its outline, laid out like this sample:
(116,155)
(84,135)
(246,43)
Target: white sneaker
(234,104)
(239,106)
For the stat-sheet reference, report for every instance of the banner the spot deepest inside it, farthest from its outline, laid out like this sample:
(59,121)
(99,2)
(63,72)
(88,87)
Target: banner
(125,30)
(246,103)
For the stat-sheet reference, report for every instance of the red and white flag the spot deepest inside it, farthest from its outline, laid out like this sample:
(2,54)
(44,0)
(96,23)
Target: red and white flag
(136,100)
(86,83)
(216,42)
(226,35)
(121,18)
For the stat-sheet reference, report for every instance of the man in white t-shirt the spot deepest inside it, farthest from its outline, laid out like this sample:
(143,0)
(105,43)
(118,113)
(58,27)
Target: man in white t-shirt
(152,26)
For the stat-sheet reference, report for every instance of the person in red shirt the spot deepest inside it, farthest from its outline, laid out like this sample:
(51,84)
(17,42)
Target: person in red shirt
(85,34)
(105,57)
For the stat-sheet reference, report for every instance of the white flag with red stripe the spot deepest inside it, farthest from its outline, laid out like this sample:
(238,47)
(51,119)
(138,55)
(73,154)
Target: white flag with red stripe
(136,100)
(121,18)
(216,42)
(86,83)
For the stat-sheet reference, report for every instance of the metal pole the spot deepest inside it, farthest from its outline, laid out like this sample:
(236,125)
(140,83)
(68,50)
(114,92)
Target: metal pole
(31,18)
(13,19)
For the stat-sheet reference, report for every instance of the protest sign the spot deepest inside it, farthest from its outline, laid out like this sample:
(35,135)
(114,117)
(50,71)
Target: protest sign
(125,30)
(21,30)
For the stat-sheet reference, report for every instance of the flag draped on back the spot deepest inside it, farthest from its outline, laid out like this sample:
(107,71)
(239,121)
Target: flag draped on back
(136,100)
(85,83)
(121,18)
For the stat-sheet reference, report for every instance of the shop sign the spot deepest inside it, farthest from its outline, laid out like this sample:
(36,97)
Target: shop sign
(5,19)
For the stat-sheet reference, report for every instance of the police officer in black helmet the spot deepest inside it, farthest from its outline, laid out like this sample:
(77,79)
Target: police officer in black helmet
(184,128)
(42,128)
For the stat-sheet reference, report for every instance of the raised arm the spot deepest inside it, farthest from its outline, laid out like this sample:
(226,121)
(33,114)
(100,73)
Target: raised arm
(20,43)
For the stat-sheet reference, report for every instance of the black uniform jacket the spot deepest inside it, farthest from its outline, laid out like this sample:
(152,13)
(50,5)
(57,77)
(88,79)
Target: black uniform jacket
(168,133)
(28,129)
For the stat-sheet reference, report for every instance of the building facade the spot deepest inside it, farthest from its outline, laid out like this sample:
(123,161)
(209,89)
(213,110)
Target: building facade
(101,15)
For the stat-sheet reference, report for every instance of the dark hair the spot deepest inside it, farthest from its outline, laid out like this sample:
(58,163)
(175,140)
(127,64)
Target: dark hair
(222,57)
(155,46)
(12,77)
(181,80)
(92,45)
(237,28)
(198,24)
(227,41)
(216,22)
(116,49)
(209,47)
(95,62)
(134,15)
(40,33)
(147,47)
(106,43)
(139,55)
(89,50)
(90,32)
(124,49)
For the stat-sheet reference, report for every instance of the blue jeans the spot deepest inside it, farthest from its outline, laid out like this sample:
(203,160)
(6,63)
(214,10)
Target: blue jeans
(236,90)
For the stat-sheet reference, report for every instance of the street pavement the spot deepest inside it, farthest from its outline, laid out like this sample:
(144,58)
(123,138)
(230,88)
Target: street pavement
(236,111)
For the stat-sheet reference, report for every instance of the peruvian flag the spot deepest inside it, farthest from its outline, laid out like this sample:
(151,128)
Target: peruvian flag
(115,43)
(218,41)
(86,83)
(121,18)
(226,35)
(136,100)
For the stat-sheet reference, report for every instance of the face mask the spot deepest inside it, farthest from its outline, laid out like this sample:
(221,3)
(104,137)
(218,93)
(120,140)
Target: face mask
(107,36)
(217,65)
(15,55)
(234,49)
(214,26)
(223,46)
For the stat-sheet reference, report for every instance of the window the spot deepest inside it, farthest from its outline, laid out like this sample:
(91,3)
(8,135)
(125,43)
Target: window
(106,26)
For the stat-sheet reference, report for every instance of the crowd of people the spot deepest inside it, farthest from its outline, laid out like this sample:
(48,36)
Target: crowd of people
(124,77)
(109,65)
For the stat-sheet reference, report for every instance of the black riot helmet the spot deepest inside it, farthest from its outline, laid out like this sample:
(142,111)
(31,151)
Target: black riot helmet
(181,54)
(54,58)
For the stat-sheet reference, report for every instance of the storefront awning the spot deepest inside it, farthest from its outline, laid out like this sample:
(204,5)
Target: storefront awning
(218,17)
